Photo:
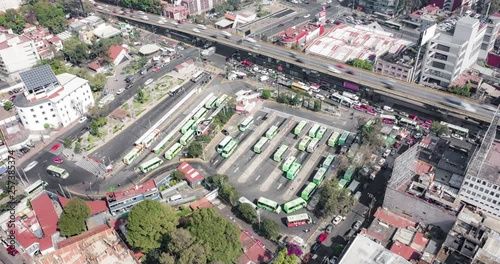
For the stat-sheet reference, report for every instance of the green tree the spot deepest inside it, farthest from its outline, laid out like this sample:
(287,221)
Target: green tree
(370,135)
(195,254)
(165,258)
(333,199)
(217,180)
(8,106)
(149,223)
(439,129)
(13,20)
(178,175)
(46,125)
(270,229)
(75,50)
(317,105)
(97,82)
(236,4)
(229,193)
(284,258)
(94,129)
(67,143)
(73,217)
(140,96)
(219,237)
(57,67)
(266,94)
(180,240)
(247,212)
(78,147)
(362,64)
(195,149)
(463,90)
(50,15)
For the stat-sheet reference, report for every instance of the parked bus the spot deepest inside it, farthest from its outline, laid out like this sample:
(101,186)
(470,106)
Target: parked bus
(308,191)
(337,98)
(269,205)
(333,139)
(57,172)
(188,126)
(392,25)
(312,145)
(223,144)
(197,76)
(148,141)
(321,132)
(301,87)
(314,129)
(221,100)
(247,122)
(271,132)
(408,123)
(186,138)
(257,148)
(464,132)
(299,127)
(288,163)
(304,143)
(229,149)
(348,102)
(173,151)
(278,155)
(293,171)
(200,114)
(35,188)
(151,164)
(349,173)
(298,220)
(132,155)
(294,205)
(388,119)
(328,161)
(350,96)
(211,102)
(244,200)
(343,138)
(319,176)
(163,143)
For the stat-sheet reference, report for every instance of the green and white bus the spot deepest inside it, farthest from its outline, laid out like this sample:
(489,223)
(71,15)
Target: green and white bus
(332,141)
(186,138)
(257,148)
(299,127)
(293,171)
(247,122)
(132,155)
(308,191)
(303,143)
(312,145)
(314,129)
(278,155)
(35,188)
(223,144)
(269,205)
(319,176)
(321,132)
(229,149)
(173,151)
(294,205)
(151,164)
(211,102)
(288,163)
(328,161)
(188,126)
(57,172)
(221,100)
(200,114)
(271,132)
(343,138)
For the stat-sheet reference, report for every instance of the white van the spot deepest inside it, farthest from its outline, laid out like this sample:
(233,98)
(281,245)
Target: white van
(263,78)
(201,27)
(175,197)
(319,96)
(388,108)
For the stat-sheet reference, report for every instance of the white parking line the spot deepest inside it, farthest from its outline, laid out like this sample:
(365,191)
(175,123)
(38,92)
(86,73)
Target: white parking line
(259,117)
(257,178)
(236,169)
(215,162)
(279,186)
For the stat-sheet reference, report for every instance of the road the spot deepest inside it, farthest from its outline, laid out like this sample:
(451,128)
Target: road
(418,93)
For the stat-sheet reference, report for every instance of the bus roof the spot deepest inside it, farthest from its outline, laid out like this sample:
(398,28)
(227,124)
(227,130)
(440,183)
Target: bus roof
(34,186)
(150,162)
(297,217)
(56,169)
(267,201)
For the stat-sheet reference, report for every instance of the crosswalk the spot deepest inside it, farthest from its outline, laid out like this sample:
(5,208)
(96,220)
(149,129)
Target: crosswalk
(91,166)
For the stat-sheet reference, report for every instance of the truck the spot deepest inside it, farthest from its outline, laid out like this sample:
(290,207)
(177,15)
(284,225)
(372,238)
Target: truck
(208,52)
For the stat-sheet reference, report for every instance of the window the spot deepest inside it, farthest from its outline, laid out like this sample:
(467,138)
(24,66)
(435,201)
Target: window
(495,187)
(475,187)
(32,110)
(489,200)
(34,116)
(43,113)
(478,180)
(41,106)
(481,189)
(484,183)
(36,122)
(45,118)
(489,185)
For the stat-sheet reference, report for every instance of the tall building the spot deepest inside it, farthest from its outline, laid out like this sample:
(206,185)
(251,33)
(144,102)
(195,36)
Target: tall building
(490,36)
(17,54)
(197,7)
(50,99)
(452,5)
(448,55)
(388,7)
(481,187)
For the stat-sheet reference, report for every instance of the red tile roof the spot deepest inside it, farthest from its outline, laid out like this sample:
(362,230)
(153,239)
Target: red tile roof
(133,191)
(201,203)
(191,174)
(46,214)
(423,167)
(82,236)
(405,251)
(393,219)
(252,252)
(115,50)
(95,65)
(95,206)
(419,242)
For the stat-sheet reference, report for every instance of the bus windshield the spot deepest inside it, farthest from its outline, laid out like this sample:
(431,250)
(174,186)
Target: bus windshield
(36,187)
(223,143)
(247,122)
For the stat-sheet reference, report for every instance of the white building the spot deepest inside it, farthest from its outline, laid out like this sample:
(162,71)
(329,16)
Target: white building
(364,250)
(10,4)
(447,56)
(490,36)
(17,54)
(49,99)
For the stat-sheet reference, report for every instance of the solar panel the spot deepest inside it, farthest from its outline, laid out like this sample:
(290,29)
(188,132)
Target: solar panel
(38,77)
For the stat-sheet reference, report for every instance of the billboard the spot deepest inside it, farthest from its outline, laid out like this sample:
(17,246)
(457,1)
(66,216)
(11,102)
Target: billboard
(427,34)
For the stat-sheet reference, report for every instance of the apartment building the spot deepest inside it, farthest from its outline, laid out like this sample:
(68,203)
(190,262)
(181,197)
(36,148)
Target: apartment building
(400,65)
(448,55)
(17,54)
(490,36)
(197,7)
(388,7)
(121,202)
(452,5)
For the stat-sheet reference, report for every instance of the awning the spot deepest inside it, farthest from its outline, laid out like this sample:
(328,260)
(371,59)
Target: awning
(224,23)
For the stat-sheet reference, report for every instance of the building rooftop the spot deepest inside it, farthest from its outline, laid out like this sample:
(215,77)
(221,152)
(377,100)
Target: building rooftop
(393,219)
(344,42)
(46,214)
(191,174)
(379,231)
(96,207)
(253,252)
(201,203)
(491,168)
(405,251)
(490,252)
(366,251)
(35,78)
(131,192)
(405,57)
(468,76)
(291,35)
(427,10)
(9,40)
(115,50)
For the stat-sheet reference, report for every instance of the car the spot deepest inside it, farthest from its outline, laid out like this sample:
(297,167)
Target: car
(350,72)
(371,112)
(308,15)
(30,166)
(393,152)
(55,147)
(161,22)
(358,107)
(414,117)
(417,135)
(322,237)
(386,153)
(120,91)
(145,18)
(378,110)
(388,108)
(315,247)
(401,113)
(337,219)
(58,160)
(328,6)
(333,260)
(82,119)
(365,211)
(456,136)
(156,68)
(357,225)
(329,229)
(381,162)
(224,132)
(196,30)
(428,121)
(410,141)
(397,145)
(295,18)
(148,82)
(280,25)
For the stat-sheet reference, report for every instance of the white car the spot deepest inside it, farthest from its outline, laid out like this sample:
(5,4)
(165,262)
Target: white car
(196,30)
(120,91)
(30,166)
(145,17)
(82,119)
(456,136)
(381,162)
(388,108)
(386,153)
(225,33)
(333,69)
(337,219)
(148,82)
(161,22)
(308,15)
(174,23)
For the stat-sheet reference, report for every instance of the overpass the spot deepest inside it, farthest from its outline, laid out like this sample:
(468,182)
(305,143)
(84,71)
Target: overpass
(313,67)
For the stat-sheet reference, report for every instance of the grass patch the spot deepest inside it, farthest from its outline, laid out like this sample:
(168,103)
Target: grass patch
(137,105)
(166,78)
(185,210)
(139,112)
(125,107)
(117,128)
(90,147)
(104,132)
(180,81)
(91,139)
(161,95)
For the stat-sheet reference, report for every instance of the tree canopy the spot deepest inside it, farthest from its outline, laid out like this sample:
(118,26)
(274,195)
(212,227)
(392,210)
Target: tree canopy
(270,229)
(219,237)
(75,50)
(13,20)
(73,217)
(439,129)
(50,15)
(359,63)
(195,149)
(463,90)
(148,224)
(284,258)
(333,200)
(247,212)
(149,6)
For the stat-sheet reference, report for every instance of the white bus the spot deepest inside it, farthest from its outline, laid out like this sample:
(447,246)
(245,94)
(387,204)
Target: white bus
(388,119)
(197,76)
(301,87)
(35,188)
(351,96)
(464,132)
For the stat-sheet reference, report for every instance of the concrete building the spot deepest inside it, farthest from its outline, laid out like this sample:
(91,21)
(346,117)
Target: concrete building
(448,55)
(50,99)
(120,202)
(452,5)
(388,7)
(364,250)
(300,36)
(197,7)
(400,65)
(17,54)
(490,36)
(425,17)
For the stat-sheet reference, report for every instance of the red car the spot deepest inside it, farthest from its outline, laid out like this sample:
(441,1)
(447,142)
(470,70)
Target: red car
(156,68)
(428,121)
(358,107)
(371,112)
(246,63)
(397,145)
(280,25)
(58,160)
(340,66)
(414,117)
(55,147)
(322,237)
